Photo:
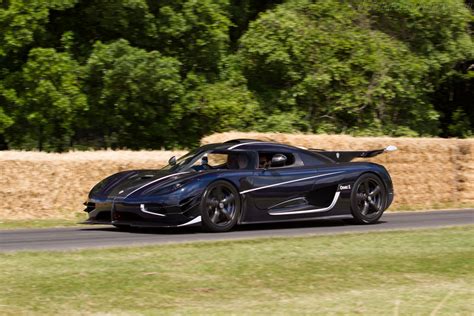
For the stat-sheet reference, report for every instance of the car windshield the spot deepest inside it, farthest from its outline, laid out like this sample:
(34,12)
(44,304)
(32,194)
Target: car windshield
(185,161)
(201,159)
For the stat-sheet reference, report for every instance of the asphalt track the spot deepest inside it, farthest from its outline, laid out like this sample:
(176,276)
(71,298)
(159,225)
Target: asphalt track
(93,237)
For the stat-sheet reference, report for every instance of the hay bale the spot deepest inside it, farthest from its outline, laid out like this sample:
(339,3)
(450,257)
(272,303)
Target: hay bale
(49,185)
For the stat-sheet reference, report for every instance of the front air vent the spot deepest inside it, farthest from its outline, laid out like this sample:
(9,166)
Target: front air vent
(152,209)
(89,207)
(147,176)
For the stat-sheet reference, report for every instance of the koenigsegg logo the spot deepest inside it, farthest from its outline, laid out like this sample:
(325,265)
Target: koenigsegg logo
(345,187)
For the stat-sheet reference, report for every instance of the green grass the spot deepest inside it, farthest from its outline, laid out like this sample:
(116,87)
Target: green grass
(43,223)
(37,223)
(409,272)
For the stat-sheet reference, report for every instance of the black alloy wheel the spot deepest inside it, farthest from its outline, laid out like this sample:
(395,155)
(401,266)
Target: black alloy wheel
(368,199)
(220,206)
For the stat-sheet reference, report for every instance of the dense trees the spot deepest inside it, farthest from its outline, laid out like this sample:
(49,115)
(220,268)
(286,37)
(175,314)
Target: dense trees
(350,68)
(133,95)
(151,74)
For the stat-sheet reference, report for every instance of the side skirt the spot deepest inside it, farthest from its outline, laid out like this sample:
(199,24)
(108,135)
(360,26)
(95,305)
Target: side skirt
(335,217)
(318,210)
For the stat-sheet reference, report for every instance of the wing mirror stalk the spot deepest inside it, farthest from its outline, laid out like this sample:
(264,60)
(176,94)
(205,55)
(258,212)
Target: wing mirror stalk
(172,161)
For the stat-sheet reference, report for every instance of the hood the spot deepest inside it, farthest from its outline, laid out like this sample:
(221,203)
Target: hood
(127,183)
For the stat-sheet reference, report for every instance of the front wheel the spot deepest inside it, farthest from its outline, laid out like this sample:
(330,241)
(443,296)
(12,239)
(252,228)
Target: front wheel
(220,206)
(368,199)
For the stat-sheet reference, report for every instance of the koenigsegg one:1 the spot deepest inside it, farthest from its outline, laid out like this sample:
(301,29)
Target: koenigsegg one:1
(245,181)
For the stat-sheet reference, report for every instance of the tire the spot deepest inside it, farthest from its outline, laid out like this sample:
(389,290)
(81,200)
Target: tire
(220,207)
(368,199)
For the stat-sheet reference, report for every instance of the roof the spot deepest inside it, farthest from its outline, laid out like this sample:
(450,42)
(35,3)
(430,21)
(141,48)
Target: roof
(242,143)
(242,140)
(255,144)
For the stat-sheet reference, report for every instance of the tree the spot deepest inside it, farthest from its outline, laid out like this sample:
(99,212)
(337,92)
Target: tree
(133,95)
(453,99)
(326,59)
(5,121)
(44,98)
(242,12)
(217,107)
(148,73)
(105,21)
(194,31)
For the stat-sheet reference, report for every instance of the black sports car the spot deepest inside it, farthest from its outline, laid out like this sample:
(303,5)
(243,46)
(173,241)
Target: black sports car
(245,181)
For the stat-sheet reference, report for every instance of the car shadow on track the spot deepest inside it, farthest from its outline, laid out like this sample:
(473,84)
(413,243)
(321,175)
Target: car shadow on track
(241,228)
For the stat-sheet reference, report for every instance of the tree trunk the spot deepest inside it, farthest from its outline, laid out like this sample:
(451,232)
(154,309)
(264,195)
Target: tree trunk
(40,138)
(3,143)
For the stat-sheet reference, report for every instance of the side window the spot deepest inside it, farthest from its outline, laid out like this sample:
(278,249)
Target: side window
(313,159)
(214,160)
(224,161)
(211,161)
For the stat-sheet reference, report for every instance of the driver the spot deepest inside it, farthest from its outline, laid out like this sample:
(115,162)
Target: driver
(263,161)
(204,164)
(232,162)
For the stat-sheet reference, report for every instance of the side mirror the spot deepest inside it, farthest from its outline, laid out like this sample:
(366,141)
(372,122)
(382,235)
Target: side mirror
(172,161)
(278,160)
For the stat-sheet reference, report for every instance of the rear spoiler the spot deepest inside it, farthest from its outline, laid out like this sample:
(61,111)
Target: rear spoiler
(346,156)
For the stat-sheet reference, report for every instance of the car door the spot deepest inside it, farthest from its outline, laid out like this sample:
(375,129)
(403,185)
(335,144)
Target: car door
(287,188)
(291,190)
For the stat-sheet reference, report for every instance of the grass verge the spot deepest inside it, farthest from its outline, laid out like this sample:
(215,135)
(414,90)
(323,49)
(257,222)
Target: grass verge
(43,222)
(409,272)
(37,223)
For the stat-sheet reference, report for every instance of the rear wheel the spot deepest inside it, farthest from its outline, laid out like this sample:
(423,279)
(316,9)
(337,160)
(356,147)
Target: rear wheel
(220,206)
(368,199)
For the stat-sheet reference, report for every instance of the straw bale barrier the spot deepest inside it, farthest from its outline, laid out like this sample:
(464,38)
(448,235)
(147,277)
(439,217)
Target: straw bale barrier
(36,185)
(427,173)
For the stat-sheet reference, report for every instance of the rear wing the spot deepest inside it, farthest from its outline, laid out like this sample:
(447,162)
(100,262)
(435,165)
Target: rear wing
(346,156)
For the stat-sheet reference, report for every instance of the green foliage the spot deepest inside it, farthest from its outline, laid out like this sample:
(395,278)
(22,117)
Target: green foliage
(243,12)
(217,107)
(152,74)
(454,101)
(5,120)
(23,21)
(326,59)
(133,94)
(460,126)
(92,21)
(194,31)
(46,98)
(408,272)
